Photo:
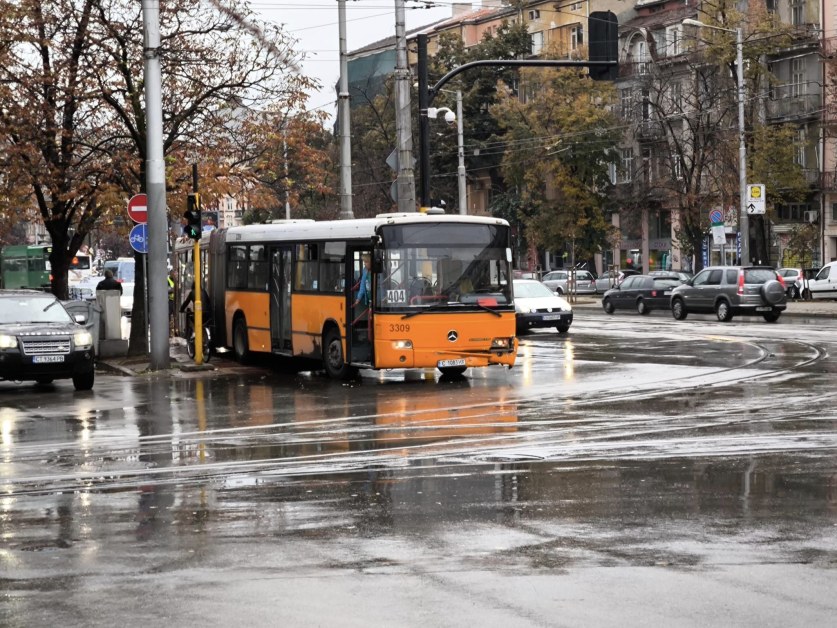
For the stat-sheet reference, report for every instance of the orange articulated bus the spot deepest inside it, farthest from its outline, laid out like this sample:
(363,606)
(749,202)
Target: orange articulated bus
(395,291)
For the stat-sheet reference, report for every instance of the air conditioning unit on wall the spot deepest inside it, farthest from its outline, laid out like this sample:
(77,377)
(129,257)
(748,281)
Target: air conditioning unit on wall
(811,216)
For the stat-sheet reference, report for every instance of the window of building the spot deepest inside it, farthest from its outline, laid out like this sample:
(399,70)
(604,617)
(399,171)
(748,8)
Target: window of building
(834,212)
(674,40)
(535,14)
(676,166)
(797,12)
(676,93)
(646,104)
(797,86)
(626,103)
(576,37)
(627,165)
(770,5)
(576,6)
(793,212)
(801,140)
(536,40)
(647,166)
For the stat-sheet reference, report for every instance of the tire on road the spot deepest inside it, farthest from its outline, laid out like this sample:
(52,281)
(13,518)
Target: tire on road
(241,344)
(642,307)
(678,310)
(771,317)
(334,360)
(607,306)
(723,311)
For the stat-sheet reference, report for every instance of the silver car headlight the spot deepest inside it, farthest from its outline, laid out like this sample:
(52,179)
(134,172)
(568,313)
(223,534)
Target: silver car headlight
(83,339)
(8,342)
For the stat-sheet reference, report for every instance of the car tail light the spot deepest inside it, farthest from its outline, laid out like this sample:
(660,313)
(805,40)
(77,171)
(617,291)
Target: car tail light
(653,293)
(740,282)
(781,280)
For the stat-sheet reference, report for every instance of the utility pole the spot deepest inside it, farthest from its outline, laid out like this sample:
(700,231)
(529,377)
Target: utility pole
(406,182)
(460,170)
(156,280)
(344,121)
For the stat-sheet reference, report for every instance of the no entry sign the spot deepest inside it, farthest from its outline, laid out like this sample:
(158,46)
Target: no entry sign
(138,208)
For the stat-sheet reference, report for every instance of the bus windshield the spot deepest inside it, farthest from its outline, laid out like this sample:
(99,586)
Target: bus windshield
(443,264)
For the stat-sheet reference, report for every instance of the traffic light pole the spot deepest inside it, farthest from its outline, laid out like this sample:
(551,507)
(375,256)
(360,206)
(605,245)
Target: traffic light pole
(196,257)
(426,95)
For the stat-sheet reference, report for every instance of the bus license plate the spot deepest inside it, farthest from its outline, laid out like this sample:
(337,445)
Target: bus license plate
(445,363)
(44,359)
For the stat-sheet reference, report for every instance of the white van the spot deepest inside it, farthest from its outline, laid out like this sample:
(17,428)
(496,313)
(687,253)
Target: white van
(824,284)
(123,271)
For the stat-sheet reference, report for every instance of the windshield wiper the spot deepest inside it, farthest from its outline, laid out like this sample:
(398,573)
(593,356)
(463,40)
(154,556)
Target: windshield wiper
(50,305)
(444,306)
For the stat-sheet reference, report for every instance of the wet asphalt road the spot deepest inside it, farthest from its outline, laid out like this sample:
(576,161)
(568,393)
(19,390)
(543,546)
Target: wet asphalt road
(637,471)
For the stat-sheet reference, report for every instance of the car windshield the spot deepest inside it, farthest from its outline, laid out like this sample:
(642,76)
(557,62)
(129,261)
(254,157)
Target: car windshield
(759,275)
(35,309)
(531,290)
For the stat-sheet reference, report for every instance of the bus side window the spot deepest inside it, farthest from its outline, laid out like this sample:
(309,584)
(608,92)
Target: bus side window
(307,267)
(332,267)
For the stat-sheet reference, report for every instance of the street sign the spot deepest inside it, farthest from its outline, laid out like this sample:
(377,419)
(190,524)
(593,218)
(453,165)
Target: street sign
(139,238)
(138,208)
(716,217)
(755,199)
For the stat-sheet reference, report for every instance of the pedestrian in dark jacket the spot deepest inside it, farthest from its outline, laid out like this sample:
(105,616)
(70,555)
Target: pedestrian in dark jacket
(109,283)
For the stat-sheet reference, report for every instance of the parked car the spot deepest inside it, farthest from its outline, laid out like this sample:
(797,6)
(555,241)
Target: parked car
(609,279)
(824,283)
(559,281)
(40,341)
(536,305)
(642,293)
(731,290)
(682,275)
(794,279)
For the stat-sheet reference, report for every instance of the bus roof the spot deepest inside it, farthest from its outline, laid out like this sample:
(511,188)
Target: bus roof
(357,229)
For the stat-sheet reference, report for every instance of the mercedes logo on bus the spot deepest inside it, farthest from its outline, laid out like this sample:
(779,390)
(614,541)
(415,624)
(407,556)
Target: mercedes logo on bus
(453,336)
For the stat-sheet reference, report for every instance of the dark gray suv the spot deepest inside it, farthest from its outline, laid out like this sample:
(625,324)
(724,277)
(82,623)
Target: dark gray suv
(729,291)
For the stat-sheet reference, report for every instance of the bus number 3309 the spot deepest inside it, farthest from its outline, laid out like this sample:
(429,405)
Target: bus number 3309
(399,327)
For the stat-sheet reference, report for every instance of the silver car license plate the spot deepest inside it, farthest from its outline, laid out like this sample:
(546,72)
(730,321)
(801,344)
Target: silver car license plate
(45,359)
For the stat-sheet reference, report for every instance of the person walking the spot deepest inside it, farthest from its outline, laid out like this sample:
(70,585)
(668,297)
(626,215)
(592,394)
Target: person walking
(109,283)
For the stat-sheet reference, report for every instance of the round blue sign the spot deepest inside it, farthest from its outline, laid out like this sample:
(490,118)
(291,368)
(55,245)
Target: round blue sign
(139,238)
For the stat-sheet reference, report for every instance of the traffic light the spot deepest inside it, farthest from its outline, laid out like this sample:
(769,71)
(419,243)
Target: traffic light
(192,216)
(603,44)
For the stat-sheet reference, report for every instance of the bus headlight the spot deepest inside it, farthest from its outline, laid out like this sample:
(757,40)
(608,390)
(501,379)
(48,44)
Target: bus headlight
(501,343)
(83,339)
(8,342)
(402,344)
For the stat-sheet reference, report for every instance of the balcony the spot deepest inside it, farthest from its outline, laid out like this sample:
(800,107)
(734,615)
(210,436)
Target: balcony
(794,107)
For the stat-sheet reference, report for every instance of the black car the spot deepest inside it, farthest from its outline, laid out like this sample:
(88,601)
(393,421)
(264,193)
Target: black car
(40,341)
(642,293)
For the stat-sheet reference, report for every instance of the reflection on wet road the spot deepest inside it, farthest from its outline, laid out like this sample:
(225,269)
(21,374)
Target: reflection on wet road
(661,458)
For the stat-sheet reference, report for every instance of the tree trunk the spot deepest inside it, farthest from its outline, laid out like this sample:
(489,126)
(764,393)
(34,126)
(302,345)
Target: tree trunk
(138,342)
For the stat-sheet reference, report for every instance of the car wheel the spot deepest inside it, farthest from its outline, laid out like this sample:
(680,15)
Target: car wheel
(84,381)
(723,311)
(806,295)
(333,358)
(678,310)
(562,329)
(559,291)
(772,292)
(641,307)
(607,306)
(794,292)
(241,345)
(45,380)
(771,317)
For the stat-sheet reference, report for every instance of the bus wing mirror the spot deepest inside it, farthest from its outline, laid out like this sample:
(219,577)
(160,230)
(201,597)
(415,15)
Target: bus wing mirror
(378,261)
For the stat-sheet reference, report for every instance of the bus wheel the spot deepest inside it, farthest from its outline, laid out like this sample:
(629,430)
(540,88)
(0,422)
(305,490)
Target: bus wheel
(333,358)
(241,346)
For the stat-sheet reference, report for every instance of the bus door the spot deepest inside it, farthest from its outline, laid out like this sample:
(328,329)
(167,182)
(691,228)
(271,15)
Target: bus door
(280,299)
(359,320)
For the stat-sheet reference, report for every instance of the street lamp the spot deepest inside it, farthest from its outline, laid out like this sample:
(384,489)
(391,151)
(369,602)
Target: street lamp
(743,219)
(432,112)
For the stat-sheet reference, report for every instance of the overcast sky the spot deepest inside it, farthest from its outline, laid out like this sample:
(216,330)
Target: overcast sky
(314,24)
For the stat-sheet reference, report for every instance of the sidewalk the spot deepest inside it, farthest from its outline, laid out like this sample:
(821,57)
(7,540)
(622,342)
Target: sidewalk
(805,309)
(132,366)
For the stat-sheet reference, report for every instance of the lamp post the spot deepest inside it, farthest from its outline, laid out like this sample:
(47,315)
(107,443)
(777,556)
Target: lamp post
(743,218)
(433,112)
